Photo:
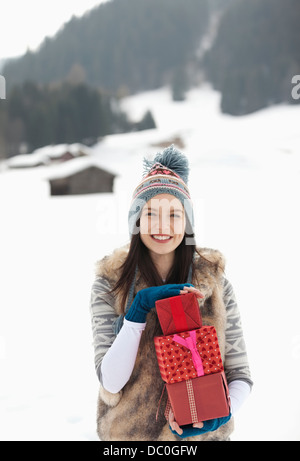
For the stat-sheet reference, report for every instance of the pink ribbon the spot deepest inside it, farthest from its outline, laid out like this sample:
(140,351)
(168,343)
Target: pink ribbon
(191,344)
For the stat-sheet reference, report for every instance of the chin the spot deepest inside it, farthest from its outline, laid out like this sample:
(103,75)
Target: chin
(163,251)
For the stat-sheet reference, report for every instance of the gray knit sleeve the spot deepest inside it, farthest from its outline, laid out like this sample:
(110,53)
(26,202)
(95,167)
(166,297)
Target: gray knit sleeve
(102,316)
(236,361)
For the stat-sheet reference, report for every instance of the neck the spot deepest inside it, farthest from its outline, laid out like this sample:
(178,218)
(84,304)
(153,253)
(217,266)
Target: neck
(163,263)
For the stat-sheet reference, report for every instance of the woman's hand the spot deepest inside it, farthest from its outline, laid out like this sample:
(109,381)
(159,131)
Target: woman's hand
(175,427)
(191,289)
(145,299)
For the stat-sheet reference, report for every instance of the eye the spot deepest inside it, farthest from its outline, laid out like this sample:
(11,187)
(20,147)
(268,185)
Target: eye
(150,213)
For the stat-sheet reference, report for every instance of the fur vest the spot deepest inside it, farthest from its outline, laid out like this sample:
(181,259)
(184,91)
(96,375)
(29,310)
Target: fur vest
(130,415)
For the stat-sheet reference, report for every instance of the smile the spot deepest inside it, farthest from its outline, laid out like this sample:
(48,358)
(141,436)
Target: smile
(161,238)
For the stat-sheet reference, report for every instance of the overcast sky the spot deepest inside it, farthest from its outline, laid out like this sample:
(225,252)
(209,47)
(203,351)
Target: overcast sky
(25,23)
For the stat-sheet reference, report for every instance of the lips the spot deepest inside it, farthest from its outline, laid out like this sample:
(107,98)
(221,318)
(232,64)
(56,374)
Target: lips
(160,238)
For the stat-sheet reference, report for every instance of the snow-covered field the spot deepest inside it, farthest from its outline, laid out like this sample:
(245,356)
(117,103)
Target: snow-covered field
(245,187)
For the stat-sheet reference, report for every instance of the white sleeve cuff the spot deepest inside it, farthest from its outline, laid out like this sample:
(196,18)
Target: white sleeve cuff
(238,391)
(136,325)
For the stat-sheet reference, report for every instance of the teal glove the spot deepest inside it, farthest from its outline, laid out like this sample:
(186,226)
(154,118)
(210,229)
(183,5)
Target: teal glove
(145,300)
(208,426)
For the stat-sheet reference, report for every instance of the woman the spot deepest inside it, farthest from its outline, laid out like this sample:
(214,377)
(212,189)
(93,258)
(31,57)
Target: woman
(161,261)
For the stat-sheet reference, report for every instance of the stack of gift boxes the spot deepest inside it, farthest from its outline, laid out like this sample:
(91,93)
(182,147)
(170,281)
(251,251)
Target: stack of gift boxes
(190,362)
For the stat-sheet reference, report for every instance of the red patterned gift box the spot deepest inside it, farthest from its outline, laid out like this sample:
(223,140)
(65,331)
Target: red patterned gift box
(199,399)
(188,355)
(178,313)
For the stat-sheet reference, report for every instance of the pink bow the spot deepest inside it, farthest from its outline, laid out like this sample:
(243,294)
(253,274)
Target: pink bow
(191,344)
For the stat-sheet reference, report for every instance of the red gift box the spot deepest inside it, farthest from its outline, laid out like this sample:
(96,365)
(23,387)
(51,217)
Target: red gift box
(188,355)
(178,313)
(199,399)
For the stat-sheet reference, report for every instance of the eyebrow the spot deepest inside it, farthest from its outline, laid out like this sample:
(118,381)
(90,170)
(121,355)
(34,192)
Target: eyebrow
(176,210)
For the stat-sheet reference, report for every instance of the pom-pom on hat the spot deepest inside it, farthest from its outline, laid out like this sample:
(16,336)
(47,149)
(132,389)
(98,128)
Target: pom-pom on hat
(167,174)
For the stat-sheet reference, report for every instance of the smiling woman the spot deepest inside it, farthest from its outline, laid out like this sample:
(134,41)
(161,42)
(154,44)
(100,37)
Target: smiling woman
(162,221)
(160,262)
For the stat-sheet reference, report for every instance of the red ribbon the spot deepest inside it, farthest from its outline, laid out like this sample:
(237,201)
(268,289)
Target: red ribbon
(178,314)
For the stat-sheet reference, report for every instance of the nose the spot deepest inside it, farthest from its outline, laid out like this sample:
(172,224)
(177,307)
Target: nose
(165,223)
(160,224)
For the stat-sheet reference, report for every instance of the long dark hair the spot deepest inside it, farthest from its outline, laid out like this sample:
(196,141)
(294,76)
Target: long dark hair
(138,256)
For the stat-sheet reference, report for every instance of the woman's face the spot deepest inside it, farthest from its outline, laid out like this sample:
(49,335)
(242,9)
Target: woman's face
(162,224)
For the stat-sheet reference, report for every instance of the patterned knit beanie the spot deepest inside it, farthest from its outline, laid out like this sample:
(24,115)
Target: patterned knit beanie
(166,174)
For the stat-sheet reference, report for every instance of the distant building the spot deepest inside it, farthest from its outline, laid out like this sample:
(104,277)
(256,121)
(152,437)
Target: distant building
(48,155)
(80,176)
(65,152)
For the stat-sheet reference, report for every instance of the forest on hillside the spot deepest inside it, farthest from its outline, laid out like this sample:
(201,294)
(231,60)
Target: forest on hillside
(68,90)
(255,55)
(122,45)
(34,116)
(74,81)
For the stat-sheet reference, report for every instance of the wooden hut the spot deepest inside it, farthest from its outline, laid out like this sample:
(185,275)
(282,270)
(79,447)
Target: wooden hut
(80,176)
(48,155)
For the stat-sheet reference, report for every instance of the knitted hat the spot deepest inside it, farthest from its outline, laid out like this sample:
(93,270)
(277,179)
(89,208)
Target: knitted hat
(166,174)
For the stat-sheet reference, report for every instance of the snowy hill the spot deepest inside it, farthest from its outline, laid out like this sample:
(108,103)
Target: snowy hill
(245,187)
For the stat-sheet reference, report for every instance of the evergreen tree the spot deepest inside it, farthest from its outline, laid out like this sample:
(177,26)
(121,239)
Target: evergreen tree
(147,122)
(39,115)
(256,54)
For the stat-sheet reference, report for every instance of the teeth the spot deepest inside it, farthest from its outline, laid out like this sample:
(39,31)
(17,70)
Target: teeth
(161,237)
